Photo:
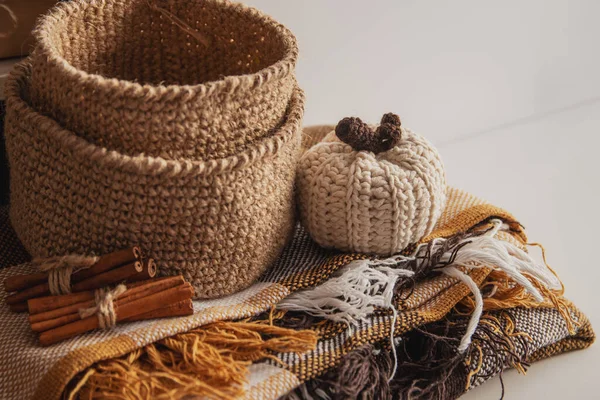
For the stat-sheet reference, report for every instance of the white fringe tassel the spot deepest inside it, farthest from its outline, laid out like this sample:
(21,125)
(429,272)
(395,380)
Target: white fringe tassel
(487,251)
(61,268)
(352,294)
(356,289)
(476,316)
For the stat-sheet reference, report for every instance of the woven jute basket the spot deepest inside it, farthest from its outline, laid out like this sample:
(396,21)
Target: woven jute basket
(197,80)
(220,223)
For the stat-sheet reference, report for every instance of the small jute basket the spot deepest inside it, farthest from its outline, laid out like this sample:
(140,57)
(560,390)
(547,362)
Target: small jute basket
(174,79)
(219,222)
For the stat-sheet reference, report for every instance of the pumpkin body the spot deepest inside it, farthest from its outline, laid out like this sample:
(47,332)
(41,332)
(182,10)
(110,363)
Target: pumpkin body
(365,202)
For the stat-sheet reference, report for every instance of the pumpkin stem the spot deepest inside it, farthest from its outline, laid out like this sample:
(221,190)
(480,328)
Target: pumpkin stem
(360,136)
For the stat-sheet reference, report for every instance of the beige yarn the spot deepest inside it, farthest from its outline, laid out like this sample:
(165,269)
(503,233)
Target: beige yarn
(371,203)
(220,222)
(128,75)
(104,308)
(61,268)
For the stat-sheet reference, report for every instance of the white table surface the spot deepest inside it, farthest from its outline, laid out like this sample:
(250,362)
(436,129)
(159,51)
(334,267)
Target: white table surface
(510,93)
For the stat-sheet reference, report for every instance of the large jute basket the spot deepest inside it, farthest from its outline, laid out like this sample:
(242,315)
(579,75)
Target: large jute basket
(176,79)
(220,222)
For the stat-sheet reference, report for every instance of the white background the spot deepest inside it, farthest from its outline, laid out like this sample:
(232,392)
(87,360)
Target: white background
(509,92)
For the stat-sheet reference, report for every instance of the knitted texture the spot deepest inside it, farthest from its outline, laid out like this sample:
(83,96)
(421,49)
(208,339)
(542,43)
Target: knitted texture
(38,372)
(197,80)
(371,203)
(220,222)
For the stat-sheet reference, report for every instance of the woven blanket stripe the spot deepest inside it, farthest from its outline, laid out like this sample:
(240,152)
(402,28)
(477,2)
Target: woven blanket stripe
(431,299)
(544,328)
(267,381)
(506,338)
(61,362)
(584,338)
(44,372)
(376,328)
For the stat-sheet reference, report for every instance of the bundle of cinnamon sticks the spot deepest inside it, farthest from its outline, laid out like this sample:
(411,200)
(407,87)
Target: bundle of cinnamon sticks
(124,265)
(57,318)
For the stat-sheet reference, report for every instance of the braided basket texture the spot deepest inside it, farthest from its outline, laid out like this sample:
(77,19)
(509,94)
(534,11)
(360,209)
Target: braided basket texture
(174,79)
(219,222)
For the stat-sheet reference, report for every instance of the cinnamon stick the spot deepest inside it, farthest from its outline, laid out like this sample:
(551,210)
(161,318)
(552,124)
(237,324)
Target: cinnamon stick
(22,281)
(134,308)
(148,272)
(106,262)
(107,278)
(42,289)
(178,309)
(18,308)
(47,303)
(42,326)
(132,293)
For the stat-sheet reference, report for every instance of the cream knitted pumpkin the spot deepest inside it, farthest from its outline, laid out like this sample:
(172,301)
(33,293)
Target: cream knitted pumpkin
(371,190)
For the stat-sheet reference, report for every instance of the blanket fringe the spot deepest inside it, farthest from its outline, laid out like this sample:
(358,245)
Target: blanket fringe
(363,285)
(429,363)
(501,292)
(487,251)
(361,375)
(351,294)
(431,355)
(209,362)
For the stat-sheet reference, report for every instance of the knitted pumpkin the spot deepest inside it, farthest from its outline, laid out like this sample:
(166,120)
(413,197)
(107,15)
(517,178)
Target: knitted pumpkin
(371,190)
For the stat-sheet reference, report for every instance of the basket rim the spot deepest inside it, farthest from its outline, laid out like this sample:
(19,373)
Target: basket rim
(93,155)
(46,48)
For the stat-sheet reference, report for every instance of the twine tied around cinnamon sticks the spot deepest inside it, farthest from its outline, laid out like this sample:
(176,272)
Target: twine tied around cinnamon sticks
(72,273)
(104,308)
(57,318)
(113,288)
(61,268)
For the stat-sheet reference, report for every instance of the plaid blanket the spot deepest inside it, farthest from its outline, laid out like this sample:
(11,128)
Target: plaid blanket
(123,362)
(429,366)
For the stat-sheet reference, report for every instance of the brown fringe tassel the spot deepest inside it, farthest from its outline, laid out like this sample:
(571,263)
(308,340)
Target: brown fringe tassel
(362,374)
(429,366)
(432,369)
(428,261)
(209,362)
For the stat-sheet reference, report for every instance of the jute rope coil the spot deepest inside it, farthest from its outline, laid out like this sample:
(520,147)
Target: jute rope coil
(197,80)
(104,308)
(220,223)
